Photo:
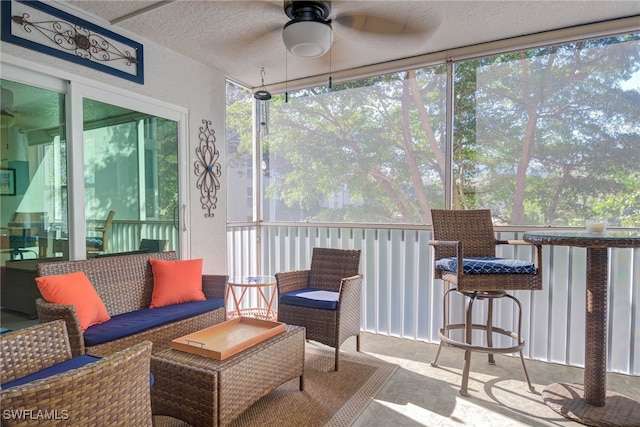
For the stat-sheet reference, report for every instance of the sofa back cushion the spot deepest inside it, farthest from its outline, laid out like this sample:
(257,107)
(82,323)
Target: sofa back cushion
(74,289)
(175,282)
(124,282)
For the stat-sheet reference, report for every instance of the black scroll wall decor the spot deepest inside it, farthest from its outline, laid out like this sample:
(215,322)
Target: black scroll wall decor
(207,169)
(43,28)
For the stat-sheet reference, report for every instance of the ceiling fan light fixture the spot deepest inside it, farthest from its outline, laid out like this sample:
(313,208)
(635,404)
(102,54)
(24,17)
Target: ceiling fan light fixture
(307,39)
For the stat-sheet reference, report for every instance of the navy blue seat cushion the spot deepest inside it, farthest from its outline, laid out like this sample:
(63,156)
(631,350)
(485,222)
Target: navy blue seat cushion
(76,362)
(312,298)
(20,239)
(67,365)
(94,242)
(487,265)
(125,324)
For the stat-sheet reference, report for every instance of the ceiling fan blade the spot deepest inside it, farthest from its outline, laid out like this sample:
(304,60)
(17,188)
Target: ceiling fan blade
(251,38)
(257,35)
(378,24)
(140,11)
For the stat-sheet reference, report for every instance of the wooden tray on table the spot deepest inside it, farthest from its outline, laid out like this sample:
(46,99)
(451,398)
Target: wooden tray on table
(228,338)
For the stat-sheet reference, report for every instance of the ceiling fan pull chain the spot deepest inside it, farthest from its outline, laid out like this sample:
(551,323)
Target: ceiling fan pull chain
(286,76)
(330,78)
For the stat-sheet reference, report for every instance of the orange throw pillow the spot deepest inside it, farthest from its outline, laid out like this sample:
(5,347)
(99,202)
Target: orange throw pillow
(74,289)
(175,282)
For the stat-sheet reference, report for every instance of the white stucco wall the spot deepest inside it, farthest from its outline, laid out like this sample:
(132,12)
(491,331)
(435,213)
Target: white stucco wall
(171,78)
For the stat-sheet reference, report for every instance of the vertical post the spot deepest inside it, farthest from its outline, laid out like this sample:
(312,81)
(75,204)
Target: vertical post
(448,152)
(595,358)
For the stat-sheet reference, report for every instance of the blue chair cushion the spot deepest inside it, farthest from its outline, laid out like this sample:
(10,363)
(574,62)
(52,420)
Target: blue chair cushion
(94,242)
(312,298)
(487,265)
(67,365)
(125,324)
(76,362)
(20,239)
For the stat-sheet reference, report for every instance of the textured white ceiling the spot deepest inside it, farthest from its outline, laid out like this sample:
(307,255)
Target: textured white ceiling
(240,37)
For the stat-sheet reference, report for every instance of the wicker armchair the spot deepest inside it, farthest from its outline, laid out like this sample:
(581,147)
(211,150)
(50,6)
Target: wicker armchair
(324,299)
(153,245)
(111,391)
(467,238)
(23,232)
(98,241)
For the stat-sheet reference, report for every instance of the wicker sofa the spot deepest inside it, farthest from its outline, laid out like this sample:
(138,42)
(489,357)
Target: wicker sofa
(42,384)
(125,285)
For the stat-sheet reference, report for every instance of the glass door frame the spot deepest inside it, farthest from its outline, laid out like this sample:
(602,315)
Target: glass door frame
(76,89)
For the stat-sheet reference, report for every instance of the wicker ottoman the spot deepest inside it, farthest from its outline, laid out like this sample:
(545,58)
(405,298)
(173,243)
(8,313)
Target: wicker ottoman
(207,392)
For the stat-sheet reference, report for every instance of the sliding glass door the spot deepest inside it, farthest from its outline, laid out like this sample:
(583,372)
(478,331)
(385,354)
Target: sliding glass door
(130,180)
(33,173)
(86,172)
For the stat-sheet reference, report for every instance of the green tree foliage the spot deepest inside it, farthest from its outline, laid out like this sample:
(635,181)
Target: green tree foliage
(554,128)
(167,199)
(362,144)
(544,136)
(239,128)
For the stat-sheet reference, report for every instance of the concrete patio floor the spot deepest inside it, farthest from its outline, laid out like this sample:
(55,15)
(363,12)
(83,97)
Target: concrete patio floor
(419,394)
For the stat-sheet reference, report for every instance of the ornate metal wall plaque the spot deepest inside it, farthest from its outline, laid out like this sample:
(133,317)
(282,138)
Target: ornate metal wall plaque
(40,27)
(207,169)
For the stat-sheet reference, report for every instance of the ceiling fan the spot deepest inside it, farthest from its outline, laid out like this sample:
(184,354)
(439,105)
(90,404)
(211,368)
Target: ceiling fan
(309,33)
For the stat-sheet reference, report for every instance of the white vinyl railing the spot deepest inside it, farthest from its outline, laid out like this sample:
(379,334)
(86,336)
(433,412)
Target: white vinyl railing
(125,236)
(400,297)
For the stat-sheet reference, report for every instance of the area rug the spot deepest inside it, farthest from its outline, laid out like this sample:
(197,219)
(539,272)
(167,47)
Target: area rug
(329,398)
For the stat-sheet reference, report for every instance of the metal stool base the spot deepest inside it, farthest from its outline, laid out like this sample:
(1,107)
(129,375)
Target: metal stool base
(489,328)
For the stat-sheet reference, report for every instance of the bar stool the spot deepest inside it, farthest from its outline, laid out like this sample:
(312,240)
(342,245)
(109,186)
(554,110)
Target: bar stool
(467,238)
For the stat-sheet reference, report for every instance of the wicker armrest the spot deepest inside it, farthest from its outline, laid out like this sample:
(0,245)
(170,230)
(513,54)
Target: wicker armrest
(214,286)
(456,250)
(113,390)
(350,288)
(48,312)
(292,281)
(513,242)
(444,242)
(538,253)
(32,349)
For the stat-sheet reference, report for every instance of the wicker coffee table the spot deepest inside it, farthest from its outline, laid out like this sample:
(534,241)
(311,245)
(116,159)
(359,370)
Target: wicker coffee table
(207,392)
